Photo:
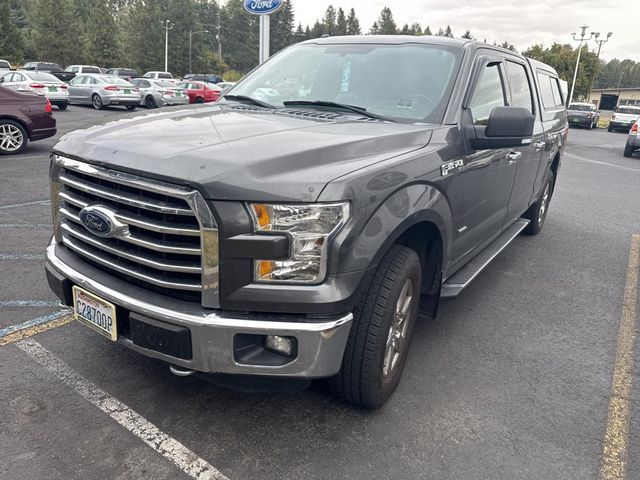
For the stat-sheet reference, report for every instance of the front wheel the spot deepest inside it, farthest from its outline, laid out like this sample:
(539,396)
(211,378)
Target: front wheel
(150,102)
(381,331)
(609,128)
(13,137)
(96,101)
(199,100)
(537,213)
(131,107)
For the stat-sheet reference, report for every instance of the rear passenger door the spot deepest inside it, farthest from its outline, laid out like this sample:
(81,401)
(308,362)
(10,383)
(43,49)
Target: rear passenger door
(526,158)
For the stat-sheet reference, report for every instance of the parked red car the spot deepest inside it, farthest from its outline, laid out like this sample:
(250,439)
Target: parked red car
(200,92)
(24,117)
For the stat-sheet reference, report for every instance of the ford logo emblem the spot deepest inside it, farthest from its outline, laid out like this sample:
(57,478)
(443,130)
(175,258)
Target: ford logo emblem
(263,7)
(102,221)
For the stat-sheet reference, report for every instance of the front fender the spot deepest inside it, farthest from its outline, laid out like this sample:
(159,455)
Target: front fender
(404,208)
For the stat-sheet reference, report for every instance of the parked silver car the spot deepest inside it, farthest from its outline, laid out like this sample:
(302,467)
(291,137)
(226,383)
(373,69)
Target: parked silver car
(103,91)
(4,66)
(41,83)
(157,93)
(633,142)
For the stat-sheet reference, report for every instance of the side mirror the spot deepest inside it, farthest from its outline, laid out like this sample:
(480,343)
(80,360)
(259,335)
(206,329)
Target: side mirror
(507,127)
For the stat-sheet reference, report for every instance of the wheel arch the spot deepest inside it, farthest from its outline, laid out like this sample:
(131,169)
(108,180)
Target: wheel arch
(21,121)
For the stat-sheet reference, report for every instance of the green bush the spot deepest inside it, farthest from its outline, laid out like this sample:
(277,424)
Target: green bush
(233,76)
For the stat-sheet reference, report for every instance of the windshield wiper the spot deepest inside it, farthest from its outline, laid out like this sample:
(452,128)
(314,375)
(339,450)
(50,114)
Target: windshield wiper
(336,106)
(247,99)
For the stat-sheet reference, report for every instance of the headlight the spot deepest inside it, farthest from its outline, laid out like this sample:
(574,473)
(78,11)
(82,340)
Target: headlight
(310,228)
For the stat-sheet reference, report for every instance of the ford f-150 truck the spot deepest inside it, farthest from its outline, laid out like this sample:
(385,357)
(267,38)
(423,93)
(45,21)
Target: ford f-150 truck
(298,234)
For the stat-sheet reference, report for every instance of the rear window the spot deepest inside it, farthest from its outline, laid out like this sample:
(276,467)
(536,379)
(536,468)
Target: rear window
(165,75)
(629,110)
(112,79)
(580,108)
(550,91)
(43,77)
(4,64)
(90,70)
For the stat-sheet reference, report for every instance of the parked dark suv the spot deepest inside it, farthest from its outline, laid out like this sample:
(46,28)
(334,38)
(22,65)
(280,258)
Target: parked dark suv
(295,229)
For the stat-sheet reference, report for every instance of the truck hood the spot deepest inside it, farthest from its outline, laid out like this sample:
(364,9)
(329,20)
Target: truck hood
(236,153)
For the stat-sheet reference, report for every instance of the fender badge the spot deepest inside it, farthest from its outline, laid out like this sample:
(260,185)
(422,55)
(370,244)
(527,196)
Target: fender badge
(449,166)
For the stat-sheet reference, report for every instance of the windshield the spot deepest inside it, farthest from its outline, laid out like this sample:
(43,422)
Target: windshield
(630,110)
(580,108)
(360,75)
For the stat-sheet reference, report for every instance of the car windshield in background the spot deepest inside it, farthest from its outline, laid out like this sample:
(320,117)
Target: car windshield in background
(629,110)
(112,79)
(164,75)
(164,83)
(90,70)
(4,64)
(358,75)
(580,108)
(43,77)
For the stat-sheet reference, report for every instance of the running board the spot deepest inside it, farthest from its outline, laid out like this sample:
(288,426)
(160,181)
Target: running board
(463,277)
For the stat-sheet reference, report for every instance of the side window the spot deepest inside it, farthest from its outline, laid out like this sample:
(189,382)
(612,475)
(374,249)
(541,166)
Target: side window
(7,78)
(520,87)
(550,91)
(17,77)
(489,93)
(555,88)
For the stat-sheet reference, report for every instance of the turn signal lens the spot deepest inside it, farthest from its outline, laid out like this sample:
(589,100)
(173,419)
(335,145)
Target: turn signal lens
(262,216)
(634,129)
(47,107)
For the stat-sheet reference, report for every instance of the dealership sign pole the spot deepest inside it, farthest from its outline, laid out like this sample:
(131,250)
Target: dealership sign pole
(264,8)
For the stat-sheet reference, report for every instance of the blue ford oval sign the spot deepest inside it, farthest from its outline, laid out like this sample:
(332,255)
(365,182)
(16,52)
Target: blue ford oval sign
(102,221)
(263,7)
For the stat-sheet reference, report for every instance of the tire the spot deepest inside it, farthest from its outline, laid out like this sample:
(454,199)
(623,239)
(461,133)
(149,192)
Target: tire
(199,100)
(628,150)
(150,102)
(63,106)
(131,107)
(590,127)
(610,128)
(13,137)
(96,101)
(370,371)
(537,213)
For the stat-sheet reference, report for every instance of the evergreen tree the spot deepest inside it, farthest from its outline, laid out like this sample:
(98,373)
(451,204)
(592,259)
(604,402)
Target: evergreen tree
(375,29)
(240,34)
(317,31)
(341,23)
(11,41)
(386,24)
(99,36)
(282,28)
(447,32)
(405,29)
(427,31)
(440,32)
(329,21)
(353,24)
(416,29)
(300,35)
(467,34)
(52,31)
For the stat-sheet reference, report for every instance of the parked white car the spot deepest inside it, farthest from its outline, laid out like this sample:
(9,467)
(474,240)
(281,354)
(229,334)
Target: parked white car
(79,69)
(624,117)
(4,66)
(159,76)
(42,83)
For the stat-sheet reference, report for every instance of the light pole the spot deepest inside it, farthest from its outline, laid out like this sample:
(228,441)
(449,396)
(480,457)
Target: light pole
(219,38)
(167,25)
(583,33)
(191,34)
(597,67)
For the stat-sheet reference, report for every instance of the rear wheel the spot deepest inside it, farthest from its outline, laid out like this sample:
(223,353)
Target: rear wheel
(537,213)
(199,100)
(610,128)
(62,106)
(96,101)
(13,137)
(382,328)
(131,107)
(150,102)
(628,150)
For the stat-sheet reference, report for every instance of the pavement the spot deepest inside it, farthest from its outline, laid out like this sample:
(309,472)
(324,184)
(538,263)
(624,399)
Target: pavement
(512,380)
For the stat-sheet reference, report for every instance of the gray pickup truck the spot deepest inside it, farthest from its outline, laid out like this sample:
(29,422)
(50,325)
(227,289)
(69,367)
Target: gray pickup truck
(295,229)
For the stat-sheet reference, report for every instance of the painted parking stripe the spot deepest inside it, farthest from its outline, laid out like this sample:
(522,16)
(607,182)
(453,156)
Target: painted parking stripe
(614,451)
(21,256)
(18,205)
(32,323)
(25,225)
(29,331)
(598,162)
(28,303)
(155,438)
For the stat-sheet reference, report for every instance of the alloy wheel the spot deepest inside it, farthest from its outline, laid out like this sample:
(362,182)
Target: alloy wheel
(11,138)
(398,330)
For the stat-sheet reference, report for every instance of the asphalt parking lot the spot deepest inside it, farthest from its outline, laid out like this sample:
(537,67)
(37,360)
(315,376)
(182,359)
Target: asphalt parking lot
(513,380)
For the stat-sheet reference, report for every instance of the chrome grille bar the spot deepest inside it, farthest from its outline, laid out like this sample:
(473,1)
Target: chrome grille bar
(172,238)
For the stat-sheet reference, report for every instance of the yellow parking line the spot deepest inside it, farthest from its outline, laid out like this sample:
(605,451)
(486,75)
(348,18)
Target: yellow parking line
(614,452)
(31,331)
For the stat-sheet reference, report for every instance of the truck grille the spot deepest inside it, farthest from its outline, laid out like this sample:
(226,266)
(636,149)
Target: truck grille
(168,240)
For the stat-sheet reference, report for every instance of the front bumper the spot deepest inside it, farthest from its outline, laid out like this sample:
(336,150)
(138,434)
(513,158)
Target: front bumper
(213,333)
(580,121)
(620,125)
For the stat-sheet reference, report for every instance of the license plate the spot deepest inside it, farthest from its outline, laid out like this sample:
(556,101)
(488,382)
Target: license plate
(96,313)
(178,94)
(53,89)
(127,92)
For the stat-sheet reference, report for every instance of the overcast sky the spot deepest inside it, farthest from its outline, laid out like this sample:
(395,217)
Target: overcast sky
(518,22)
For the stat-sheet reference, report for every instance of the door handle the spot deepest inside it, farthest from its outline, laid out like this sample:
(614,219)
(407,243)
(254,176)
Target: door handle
(513,157)
(539,146)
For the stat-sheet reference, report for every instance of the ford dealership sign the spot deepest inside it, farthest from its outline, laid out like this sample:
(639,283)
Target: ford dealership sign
(263,7)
